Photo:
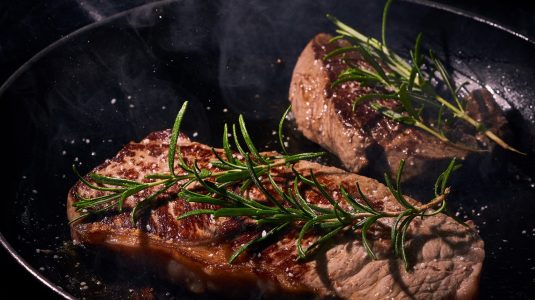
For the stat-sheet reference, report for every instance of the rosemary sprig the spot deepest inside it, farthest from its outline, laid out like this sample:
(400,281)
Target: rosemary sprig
(405,82)
(306,216)
(285,207)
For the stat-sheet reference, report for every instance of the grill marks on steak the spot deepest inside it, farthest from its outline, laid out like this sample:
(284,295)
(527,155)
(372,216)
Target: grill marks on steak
(193,252)
(364,138)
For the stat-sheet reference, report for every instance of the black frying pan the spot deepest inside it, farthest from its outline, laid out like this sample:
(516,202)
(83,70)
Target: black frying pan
(88,94)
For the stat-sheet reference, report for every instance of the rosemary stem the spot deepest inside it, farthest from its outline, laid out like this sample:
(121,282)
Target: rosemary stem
(500,142)
(403,68)
(276,163)
(456,111)
(431,131)
(479,126)
(435,201)
(156,183)
(424,207)
(443,138)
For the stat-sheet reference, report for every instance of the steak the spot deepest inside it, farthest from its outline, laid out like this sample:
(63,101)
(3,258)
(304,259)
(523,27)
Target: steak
(446,257)
(364,139)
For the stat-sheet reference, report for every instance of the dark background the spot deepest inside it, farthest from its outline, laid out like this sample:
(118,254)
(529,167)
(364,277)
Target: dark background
(26,27)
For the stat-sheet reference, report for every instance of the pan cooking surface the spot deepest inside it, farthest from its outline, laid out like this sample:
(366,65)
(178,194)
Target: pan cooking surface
(86,96)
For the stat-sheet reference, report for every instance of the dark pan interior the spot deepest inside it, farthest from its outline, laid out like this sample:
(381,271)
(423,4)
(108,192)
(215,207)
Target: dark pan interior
(87,95)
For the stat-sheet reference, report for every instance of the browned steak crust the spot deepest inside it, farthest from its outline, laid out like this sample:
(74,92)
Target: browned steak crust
(193,252)
(365,138)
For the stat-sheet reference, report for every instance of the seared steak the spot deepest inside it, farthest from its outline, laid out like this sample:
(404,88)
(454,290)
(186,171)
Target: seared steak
(364,137)
(446,256)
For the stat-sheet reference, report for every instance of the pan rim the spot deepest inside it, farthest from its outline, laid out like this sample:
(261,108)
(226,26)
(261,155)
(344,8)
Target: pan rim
(7,246)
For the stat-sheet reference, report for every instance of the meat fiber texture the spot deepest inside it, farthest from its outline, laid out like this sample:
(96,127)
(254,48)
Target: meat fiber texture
(446,257)
(364,139)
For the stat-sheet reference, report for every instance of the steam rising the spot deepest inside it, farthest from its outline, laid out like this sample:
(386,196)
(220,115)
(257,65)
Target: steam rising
(259,44)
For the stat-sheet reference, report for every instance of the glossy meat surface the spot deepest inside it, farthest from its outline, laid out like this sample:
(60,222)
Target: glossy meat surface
(193,252)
